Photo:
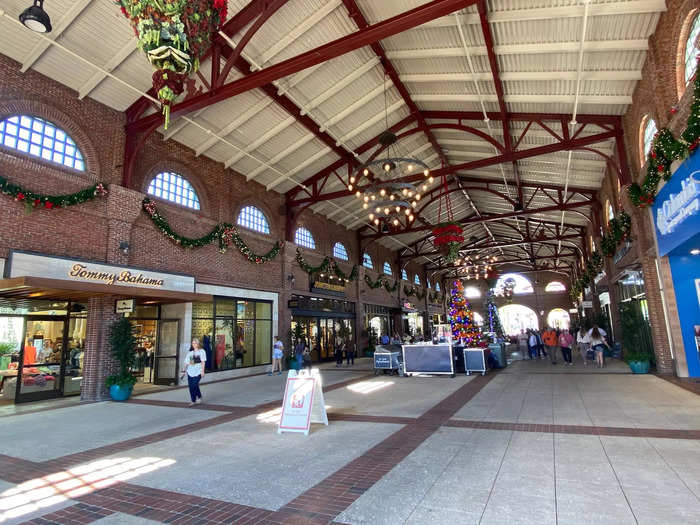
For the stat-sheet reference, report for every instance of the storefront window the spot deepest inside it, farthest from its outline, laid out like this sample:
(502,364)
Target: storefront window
(235,333)
(42,346)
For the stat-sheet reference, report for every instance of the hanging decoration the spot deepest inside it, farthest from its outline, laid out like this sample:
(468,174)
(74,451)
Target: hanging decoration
(619,229)
(461,317)
(448,235)
(387,197)
(507,289)
(382,280)
(594,265)
(174,34)
(665,149)
(33,200)
(413,290)
(226,234)
(436,297)
(327,265)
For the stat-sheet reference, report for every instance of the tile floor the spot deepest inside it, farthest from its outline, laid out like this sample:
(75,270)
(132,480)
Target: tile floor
(532,444)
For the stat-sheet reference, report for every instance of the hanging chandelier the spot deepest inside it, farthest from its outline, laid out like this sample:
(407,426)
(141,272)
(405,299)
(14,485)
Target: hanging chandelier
(388,199)
(479,265)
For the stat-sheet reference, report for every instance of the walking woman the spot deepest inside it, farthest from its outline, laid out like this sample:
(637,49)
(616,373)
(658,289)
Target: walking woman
(598,341)
(194,368)
(565,342)
(583,342)
(277,353)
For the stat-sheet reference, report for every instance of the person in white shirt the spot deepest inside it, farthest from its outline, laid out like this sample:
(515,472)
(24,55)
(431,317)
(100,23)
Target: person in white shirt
(598,342)
(277,353)
(194,368)
(584,343)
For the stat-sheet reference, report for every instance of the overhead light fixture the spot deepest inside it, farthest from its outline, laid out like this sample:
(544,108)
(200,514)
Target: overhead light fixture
(35,18)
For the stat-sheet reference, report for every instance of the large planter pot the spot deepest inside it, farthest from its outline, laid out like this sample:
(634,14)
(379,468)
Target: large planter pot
(120,392)
(639,367)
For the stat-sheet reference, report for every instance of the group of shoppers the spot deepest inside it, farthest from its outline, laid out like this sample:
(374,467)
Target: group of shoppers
(590,343)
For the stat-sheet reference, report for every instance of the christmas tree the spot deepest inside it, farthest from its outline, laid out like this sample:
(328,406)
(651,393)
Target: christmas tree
(494,320)
(461,317)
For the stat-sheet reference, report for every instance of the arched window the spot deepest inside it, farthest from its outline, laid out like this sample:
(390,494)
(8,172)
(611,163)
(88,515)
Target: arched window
(254,219)
(690,62)
(558,318)
(386,268)
(555,286)
(416,279)
(648,137)
(339,251)
(303,237)
(516,318)
(611,212)
(40,138)
(522,284)
(404,275)
(427,283)
(437,287)
(367,261)
(174,188)
(472,292)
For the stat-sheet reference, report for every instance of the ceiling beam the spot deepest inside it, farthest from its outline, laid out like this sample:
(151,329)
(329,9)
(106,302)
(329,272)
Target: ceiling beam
(497,244)
(599,120)
(572,46)
(558,12)
(522,99)
(341,46)
(492,217)
(524,76)
(562,145)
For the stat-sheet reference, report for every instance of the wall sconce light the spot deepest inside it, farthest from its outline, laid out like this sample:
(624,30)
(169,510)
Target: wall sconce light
(291,279)
(35,18)
(124,247)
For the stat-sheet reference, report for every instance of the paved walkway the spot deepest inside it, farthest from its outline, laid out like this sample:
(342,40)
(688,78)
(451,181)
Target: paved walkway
(532,444)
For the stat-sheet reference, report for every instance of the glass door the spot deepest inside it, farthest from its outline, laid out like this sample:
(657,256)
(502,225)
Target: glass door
(166,352)
(42,361)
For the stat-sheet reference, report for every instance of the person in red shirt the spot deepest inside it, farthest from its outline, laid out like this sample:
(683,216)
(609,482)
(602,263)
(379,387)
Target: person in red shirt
(549,337)
(566,340)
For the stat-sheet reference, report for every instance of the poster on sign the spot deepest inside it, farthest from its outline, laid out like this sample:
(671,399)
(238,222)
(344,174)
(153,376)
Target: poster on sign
(303,402)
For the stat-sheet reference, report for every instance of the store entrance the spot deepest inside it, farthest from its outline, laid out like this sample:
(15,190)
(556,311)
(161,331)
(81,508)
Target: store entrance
(166,352)
(323,334)
(42,360)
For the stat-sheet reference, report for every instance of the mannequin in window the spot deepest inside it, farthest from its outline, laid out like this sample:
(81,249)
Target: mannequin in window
(29,353)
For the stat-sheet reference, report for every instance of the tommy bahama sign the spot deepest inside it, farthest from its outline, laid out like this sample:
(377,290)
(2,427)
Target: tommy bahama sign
(24,264)
(124,277)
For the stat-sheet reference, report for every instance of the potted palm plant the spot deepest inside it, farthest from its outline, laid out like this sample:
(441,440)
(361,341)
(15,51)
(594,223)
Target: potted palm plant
(638,355)
(123,346)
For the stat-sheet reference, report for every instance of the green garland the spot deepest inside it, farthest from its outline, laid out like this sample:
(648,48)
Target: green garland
(33,200)
(409,291)
(225,233)
(327,265)
(435,297)
(665,149)
(382,280)
(619,229)
(593,267)
(391,287)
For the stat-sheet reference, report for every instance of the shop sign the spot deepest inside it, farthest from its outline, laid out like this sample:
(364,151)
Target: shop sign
(586,304)
(293,303)
(676,209)
(408,306)
(331,287)
(624,250)
(124,306)
(28,264)
(303,402)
